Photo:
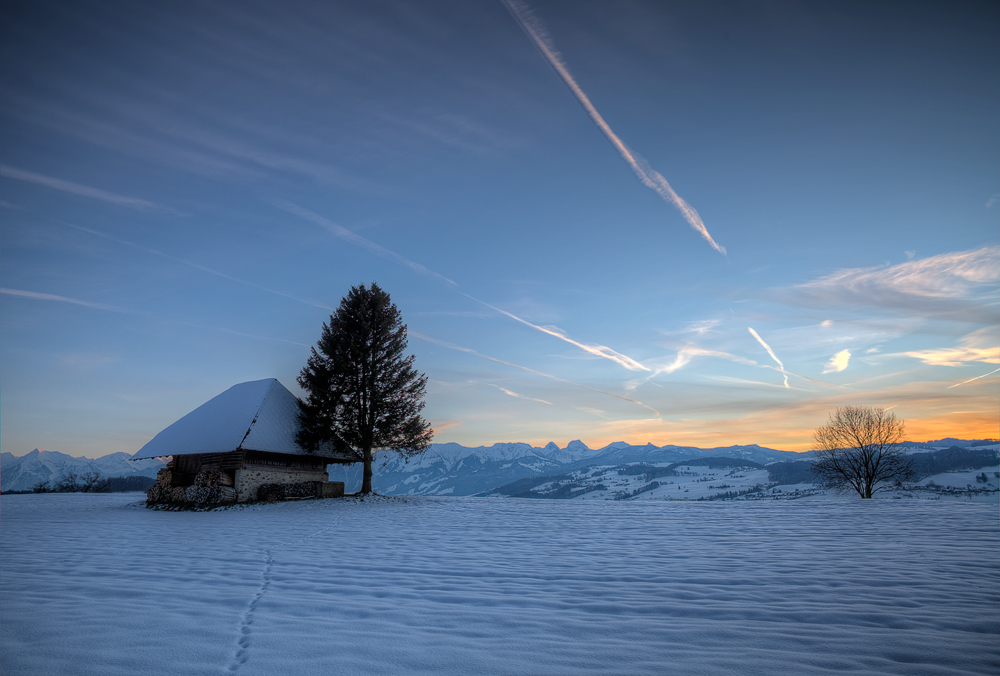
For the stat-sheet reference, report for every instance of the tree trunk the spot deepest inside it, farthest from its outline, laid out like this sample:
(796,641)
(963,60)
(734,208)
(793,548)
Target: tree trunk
(366,482)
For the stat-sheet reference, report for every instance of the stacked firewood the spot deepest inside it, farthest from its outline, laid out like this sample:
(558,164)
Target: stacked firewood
(161,490)
(275,492)
(208,477)
(270,492)
(210,487)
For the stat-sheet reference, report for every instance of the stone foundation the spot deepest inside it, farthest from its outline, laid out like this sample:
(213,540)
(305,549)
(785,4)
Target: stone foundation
(331,489)
(256,483)
(299,491)
(250,479)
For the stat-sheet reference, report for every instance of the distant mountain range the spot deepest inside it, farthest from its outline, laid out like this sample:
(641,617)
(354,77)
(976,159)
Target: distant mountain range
(452,469)
(443,469)
(20,473)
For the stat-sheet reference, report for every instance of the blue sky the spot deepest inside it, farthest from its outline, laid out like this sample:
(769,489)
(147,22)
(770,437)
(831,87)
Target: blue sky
(187,190)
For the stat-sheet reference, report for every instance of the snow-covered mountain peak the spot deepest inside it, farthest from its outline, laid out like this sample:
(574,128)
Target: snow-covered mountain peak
(617,444)
(508,451)
(574,451)
(450,455)
(20,473)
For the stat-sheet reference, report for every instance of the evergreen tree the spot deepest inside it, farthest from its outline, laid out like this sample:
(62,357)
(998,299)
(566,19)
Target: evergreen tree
(362,392)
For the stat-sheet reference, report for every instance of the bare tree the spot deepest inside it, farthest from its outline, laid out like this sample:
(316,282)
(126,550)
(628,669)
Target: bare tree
(41,487)
(67,483)
(859,450)
(93,482)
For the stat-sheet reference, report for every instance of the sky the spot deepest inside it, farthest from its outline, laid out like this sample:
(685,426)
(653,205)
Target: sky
(692,223)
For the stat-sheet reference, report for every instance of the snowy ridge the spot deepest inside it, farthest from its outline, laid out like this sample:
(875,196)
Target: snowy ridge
(20,473)
(451,454)
(969,478)
(452,469)
(574,451)
(443,469)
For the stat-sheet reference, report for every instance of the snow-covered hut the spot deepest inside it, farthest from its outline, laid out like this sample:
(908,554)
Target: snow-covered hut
(232,445)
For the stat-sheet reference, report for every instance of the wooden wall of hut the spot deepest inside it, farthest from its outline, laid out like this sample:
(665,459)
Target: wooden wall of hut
(186,467)
(285,460)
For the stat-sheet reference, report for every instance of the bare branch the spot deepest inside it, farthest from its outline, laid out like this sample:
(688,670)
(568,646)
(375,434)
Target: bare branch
(859,450)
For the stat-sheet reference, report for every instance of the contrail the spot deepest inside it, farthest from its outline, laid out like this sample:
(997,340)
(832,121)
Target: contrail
(63,299)
(348,236)
(77,189)
(34,295)
(649,177)
(683,358)
(196,266)
(971,379)
(597,350)
(770,352)
(529,370)
(251,335)
(685,353)
(519,396)
(377,249)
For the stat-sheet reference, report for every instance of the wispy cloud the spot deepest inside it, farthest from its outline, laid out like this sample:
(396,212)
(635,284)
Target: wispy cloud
(78,189)
(467,350)
(702,326)
(86,360)
(252,335)
(955,356)
(649,177)
(519,396)
(977,346)
(451,130)
(838,362)
(770,352)
(723,415)
(744,381)
(202,268)
(959,286)
(97,130)
(444,426)
(596,350)
(356,239)
(686,353)
(683,357)
(228,146)
(378,250)
(34,295)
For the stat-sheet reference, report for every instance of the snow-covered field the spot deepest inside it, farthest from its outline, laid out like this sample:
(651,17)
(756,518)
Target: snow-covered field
(97,584)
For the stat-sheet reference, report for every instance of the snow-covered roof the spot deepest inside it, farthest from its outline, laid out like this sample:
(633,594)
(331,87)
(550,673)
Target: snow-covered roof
(260,415)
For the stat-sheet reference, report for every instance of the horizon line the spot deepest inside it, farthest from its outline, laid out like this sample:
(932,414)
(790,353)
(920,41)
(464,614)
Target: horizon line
(561,448)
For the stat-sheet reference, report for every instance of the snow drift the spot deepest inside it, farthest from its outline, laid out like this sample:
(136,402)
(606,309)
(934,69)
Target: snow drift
(96,584)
